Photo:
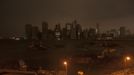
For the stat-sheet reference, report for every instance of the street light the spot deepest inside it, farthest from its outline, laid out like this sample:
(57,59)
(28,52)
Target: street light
(65,64)
(127,58)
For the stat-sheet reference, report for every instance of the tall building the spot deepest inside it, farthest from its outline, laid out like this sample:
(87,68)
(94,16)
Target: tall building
(58,32)
(28,31)
(35,32)
(85,34)
(78,31)
(73,30)
(64,32)
(97,28)
(51,35)
(74,22)
(68,30)
(73,33)
(92,33)
(122,31)
(114,32)
(45,30)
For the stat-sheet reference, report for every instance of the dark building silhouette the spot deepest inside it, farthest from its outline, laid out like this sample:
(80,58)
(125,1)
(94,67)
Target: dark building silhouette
(35,32)
(57,32)
(67,30)
(107,36)
(73,30)
(114,32)
(44,30)
(122,31)
(85,34)
(73,33)
(51,35)
(92,33)
(97,28)
(28,31)
(78,31)
(64,34)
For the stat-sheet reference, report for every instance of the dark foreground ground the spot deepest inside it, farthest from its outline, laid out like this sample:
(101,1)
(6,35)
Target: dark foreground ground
(51,54)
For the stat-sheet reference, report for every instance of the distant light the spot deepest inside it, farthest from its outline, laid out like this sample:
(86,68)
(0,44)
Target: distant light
(65,63)
(58,38)
(80,73)
(17,38)
(128,58)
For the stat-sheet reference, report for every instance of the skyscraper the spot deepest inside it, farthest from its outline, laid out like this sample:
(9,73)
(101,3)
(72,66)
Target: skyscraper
(35,32)
(114,32)
(73,30)
(45,30)
(92,33)
(28,31)
(85,34)
(68,30)
(122,31)
(97,28)
(78,31)
(64,32)
(58,32)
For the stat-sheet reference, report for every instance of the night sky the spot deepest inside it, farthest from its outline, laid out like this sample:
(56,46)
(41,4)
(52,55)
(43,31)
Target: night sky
(14,14)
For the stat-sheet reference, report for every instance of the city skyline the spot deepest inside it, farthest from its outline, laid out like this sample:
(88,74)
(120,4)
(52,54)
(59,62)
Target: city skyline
(66,37)
(16,13)
(74,31)
(102,28)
